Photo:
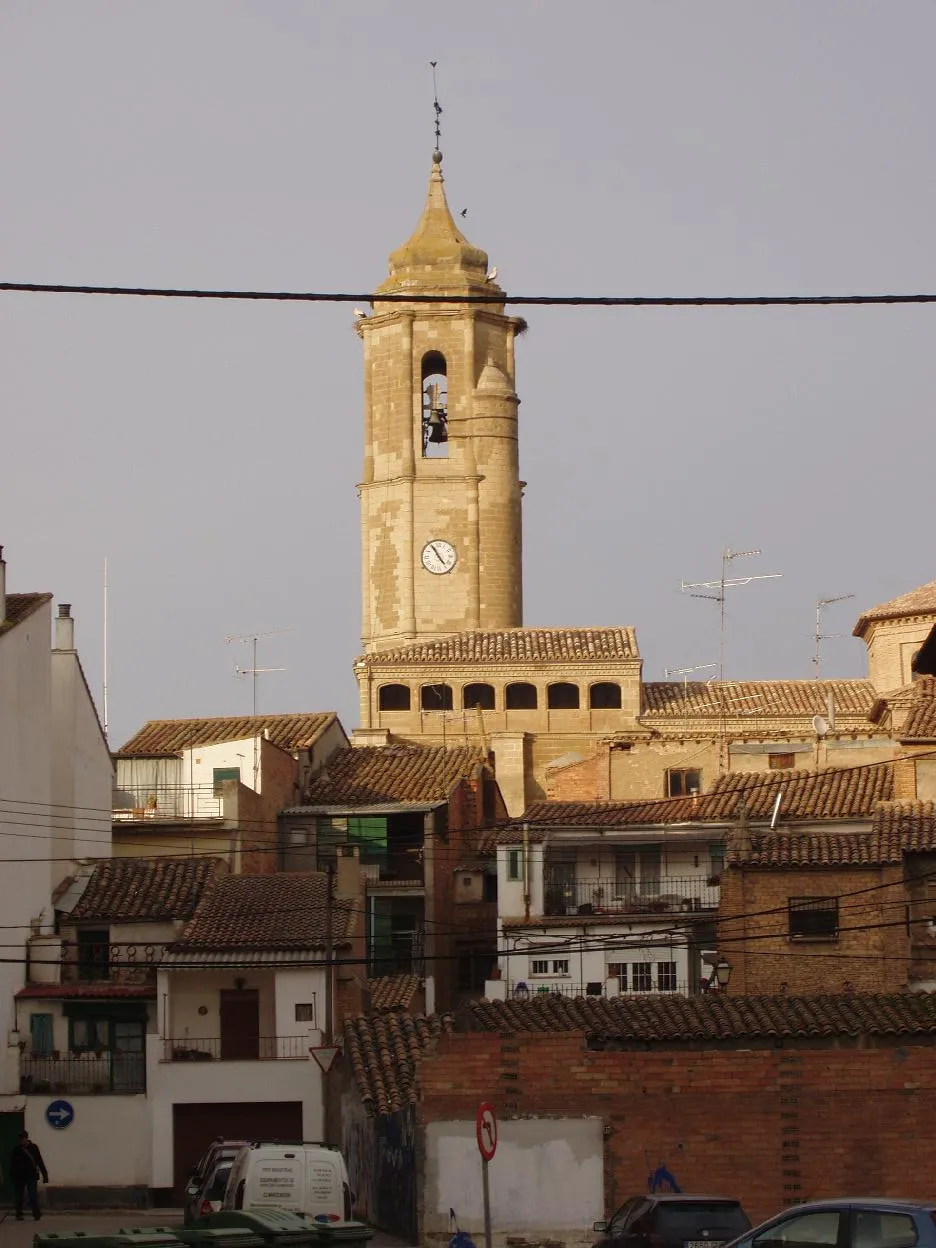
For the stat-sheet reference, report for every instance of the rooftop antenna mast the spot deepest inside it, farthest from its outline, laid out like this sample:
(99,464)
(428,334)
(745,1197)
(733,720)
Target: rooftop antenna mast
(104,689)
(253,671)
(686,672)
(820,636)
(725,582)
(437,107)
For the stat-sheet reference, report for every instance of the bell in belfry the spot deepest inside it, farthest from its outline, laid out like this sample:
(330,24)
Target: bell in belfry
(435,418)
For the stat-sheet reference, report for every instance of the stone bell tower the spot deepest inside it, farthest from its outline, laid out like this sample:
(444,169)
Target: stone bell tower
(440,493)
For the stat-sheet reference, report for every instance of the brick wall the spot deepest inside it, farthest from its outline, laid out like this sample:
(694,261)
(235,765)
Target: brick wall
(767,1125)
(870,954)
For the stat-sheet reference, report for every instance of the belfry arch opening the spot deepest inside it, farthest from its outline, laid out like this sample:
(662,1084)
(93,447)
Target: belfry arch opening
(434,431)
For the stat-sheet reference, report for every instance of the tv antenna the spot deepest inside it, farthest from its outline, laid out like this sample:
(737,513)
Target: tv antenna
(725,582)
(820,636)
(253,671)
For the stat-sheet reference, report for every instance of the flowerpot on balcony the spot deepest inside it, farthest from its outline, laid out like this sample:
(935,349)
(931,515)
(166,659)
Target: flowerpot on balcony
(713,880)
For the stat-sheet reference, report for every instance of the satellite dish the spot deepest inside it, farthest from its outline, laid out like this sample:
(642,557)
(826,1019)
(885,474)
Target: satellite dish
(820,725)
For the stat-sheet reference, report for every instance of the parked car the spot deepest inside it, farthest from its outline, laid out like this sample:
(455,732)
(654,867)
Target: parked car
(848,1223)
(674,1221)
(311,1179)
(218,1150)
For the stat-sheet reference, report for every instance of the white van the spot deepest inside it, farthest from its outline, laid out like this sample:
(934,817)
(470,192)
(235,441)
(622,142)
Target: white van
(301,1178)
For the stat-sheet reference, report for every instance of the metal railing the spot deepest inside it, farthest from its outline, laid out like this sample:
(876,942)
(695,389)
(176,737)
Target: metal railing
(167,802)
(670,894)
(528,989)
(83,1073)
(236,1048)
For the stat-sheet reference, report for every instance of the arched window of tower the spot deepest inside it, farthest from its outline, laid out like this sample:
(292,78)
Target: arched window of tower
(434,406)
(394,698)
(562,697)
(521,697)
(435,697)
(478,696)
(604,696)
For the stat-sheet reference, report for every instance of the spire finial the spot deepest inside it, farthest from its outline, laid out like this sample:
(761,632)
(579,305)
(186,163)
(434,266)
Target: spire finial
(437,153)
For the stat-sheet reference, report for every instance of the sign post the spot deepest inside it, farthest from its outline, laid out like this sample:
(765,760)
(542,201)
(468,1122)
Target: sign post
(486,1132)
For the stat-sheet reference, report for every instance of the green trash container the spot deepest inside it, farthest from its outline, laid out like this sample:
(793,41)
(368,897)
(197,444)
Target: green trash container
(145,1237)
(335,1234)
(72,1239)
(275,1227)
(219,1237)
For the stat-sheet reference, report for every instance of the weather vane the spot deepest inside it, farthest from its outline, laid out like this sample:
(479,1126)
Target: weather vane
(437,106)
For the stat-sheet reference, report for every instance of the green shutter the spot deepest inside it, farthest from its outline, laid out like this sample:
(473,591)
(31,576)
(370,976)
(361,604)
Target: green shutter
(220,774)
(370,833)
(40,1033)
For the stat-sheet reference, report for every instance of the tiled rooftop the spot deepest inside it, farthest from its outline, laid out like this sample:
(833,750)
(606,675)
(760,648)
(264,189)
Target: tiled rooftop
(285,910)
(393,992)
(391,773)
(920,601)
(753,699)
(897,828)
(162,737)
(912,707)
(19,607)
(384,1051)
(715,1016)
(123,890)
(830,793)
(516,645)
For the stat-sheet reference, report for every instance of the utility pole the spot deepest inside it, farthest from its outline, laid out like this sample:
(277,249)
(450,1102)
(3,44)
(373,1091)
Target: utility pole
(329,951)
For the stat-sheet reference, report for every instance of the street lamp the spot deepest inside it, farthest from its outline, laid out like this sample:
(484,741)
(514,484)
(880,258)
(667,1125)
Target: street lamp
(721,975)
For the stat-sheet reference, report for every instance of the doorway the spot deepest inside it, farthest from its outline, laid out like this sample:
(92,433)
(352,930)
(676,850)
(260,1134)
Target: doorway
(240,1024)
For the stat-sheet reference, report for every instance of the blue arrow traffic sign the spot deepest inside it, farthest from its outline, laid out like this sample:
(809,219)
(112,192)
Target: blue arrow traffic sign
(59,1114)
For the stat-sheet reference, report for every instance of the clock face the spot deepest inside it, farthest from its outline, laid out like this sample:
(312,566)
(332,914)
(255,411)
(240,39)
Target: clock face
(439,557)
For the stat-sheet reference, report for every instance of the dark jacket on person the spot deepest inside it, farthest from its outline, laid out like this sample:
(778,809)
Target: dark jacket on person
(26,1164)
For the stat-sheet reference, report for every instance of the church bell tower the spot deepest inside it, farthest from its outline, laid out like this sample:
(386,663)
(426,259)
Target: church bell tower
(440,492)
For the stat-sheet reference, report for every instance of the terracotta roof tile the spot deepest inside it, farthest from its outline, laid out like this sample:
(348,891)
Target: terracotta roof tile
(830,793)
(897,828)
(19,607)
(384,1052)
(285,910)
(159,737)
(393,992)
(391,773)
(146,889)
(755,699)
(920,601)
(713,1016)
(918,701)
(516,645)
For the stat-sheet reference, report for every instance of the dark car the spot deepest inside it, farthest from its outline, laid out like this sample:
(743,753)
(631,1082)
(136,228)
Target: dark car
(862,1222)
(671,1221)
(219,1150)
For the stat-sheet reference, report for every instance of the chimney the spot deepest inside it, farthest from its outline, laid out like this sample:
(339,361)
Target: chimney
(64,628)
(348,873)
(3,614)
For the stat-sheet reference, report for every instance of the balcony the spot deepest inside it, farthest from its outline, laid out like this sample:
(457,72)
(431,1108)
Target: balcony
(166,803)
(531,988)
(79,1073)
(665,895)
(237,1048)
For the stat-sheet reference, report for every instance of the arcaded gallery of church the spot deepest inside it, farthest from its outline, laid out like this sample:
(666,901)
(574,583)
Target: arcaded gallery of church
(446,655)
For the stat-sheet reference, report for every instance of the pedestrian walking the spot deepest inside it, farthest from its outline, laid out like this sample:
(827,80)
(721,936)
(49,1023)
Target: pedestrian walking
(26,1165)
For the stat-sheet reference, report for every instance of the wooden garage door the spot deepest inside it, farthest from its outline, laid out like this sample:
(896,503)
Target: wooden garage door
(195,1126)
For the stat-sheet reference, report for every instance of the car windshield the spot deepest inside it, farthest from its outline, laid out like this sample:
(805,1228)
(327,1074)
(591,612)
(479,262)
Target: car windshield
(702,1219)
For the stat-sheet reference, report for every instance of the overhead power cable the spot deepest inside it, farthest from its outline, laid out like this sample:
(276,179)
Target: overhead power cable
(567,301)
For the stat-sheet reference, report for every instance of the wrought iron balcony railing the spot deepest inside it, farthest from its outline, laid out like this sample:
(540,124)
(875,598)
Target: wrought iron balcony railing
(167,802)
(667,894)
(235,1048)
(79,1073)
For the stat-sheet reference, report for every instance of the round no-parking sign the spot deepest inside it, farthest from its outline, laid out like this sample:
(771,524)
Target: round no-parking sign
(486,1130)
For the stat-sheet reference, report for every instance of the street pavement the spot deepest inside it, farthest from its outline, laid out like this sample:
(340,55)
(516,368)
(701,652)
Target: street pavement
(15,1234)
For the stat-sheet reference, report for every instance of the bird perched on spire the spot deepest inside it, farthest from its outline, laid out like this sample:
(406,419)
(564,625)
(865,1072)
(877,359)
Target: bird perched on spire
(359,314)
(492,276)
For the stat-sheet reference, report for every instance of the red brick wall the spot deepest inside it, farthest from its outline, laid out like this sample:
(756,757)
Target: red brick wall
(585,781)
(767,1125)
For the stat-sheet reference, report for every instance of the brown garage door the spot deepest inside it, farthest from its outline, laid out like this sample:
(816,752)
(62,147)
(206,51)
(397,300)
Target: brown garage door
(195,1126)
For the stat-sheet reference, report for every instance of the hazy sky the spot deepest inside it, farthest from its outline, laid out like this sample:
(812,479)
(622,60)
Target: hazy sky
(211,450)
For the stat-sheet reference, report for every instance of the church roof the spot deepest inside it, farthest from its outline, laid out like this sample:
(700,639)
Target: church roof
(510,646)
(920,601)
(755,698)
(437,253)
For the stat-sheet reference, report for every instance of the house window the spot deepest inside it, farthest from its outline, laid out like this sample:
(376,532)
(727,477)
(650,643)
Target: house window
(683,781)
(478,696)
(520,697)
(539,966)
(666,976)
(560,966)
(605,696)
(41,1037)
(220,774)
(514,864)
(562,696)
(618,971)
(94,954)
(435,698)
(305,1012)
(780,762)
(716,851)
(637,871)
(393,698)
(642,976)
(489,887)
(813,918)
(88,1035)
